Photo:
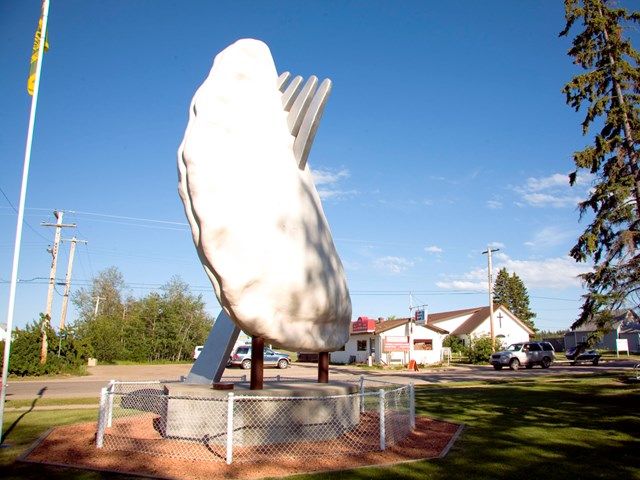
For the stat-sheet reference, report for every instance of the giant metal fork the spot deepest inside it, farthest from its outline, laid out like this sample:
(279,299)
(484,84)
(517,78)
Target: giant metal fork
(305,106)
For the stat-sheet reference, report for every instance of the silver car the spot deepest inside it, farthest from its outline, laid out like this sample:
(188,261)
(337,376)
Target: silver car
(242,358)
(525,354)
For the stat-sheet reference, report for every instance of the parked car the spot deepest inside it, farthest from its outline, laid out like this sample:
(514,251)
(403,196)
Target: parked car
(525,354)
(580,353)
(242,358)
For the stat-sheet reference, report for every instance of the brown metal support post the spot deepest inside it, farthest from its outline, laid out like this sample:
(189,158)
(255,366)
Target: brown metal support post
(323,367)
(257,363)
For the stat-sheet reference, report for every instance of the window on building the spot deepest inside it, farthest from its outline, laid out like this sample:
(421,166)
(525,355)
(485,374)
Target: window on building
(423,344)
(362,345)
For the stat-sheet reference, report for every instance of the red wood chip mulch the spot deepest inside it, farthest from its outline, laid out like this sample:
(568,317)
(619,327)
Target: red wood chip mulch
(74,446)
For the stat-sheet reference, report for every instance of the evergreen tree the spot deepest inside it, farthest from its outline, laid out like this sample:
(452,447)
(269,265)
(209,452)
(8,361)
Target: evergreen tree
(520,301)
(511,292)
(608,89)
(501,293)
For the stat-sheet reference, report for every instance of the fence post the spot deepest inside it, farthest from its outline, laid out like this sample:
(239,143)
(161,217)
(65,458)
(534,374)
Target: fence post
(243,378)
(382,425)
(230,428)
(361,393)
(412,406)
(102,418)
(277,378)
(111,389)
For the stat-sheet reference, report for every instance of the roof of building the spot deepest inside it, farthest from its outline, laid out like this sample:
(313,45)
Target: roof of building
(442,316)
(627,320)
(478,315)
(389,324)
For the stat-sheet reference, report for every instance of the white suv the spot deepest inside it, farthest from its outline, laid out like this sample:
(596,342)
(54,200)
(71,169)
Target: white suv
(525,354)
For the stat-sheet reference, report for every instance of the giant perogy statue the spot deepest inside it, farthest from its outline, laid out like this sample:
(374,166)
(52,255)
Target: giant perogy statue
(256,217)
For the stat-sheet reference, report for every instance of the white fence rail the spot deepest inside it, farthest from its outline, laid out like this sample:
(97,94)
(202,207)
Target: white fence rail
(243,426)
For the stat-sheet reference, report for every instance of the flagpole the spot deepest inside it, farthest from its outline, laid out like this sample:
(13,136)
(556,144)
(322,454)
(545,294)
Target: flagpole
(20,221)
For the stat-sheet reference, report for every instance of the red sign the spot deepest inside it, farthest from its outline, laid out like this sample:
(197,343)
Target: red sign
(363,325)
(396,344)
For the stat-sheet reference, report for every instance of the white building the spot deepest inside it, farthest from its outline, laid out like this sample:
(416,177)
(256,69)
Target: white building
(401,340)
(475,322)
(391,342)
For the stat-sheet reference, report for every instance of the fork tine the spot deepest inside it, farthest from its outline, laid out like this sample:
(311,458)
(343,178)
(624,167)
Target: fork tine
(289,95)
(301,104)
(310,123)
(282,80)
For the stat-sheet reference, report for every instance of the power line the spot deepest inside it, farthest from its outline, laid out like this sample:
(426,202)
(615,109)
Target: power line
(122,217)
(24,221)
(86,245)
(207,288)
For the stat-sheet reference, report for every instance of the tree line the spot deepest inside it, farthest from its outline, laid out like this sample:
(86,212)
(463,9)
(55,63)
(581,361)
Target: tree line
(164,325)
(113,325)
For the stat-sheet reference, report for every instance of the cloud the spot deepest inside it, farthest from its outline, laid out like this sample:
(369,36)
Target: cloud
(494,204)
(336,194)
(392,264)
(327,177)
(544,183)
(326,181)
(433,249)
(472,280)
(550,236)
(545,199)
(553,190)
(496,245)
(556,272)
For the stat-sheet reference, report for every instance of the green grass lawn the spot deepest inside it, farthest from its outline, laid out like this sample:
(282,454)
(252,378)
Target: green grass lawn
(547,428)
(552,428)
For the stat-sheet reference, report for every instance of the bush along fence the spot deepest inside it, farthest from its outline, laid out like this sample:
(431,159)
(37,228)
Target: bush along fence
(290,418)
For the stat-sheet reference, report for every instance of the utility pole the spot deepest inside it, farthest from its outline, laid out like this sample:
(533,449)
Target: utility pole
(95,311)
(52,276)
(67,281)
(489,251)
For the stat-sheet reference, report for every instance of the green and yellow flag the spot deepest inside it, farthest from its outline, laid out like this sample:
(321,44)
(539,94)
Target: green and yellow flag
(34,56)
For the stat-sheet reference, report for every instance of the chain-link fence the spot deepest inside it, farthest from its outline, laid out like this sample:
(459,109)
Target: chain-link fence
(290,418)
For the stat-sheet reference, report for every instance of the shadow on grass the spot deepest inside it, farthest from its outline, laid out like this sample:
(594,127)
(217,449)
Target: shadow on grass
(580,428)
(8,431)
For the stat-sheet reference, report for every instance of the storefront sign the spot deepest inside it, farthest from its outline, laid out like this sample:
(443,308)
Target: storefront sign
(363,325)
(396,344)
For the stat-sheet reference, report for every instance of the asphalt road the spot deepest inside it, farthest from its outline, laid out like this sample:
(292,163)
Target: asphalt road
(90,385)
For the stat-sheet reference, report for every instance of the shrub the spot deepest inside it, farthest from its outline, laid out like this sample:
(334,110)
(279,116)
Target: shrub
(454,343)
(65,353)
(480,350)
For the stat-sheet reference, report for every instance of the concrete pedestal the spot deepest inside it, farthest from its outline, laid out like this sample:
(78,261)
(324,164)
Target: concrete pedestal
(197,412)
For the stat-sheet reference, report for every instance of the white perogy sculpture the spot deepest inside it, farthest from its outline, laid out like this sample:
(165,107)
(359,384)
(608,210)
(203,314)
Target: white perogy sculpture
(256,217)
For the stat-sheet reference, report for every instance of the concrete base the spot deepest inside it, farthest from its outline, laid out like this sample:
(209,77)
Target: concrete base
(199,413)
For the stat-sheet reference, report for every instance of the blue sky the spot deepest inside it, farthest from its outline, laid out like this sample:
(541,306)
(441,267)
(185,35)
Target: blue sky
(446,131)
